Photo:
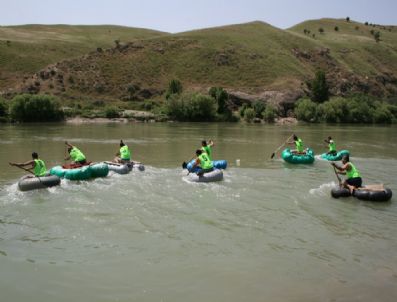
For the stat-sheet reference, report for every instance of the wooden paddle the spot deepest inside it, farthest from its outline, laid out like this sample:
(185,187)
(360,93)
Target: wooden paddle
(337,176)
(27,170)
(274,153)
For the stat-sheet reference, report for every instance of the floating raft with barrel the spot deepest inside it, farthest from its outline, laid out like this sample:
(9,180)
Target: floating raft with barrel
(75,172)
(369,193)
(125,168)
(29,182)
(218,164)
(215,175)
(337,156)
(289,157)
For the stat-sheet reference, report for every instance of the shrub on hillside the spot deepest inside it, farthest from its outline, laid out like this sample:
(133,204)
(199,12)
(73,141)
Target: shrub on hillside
(249,115)
(242,109)
(35,108)
(221,96)
(112,112)
(382,114)
(306,110)
(319,87)
(192,107)
(333,111)
(3,108)
(174,87)
(259,107)
(270,113)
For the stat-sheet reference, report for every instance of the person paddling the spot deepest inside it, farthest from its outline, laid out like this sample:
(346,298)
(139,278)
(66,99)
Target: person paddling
(124,155)
(203,162)
(76,155)
(353,177)
(299,145)
(207,147)
(38,165)
(331,146)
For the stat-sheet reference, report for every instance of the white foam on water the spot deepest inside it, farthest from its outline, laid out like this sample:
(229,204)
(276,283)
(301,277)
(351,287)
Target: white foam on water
(323,189)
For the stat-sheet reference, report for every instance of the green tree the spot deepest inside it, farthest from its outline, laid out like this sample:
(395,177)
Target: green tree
(112,112)
(35,108)
(348,19)
(3,108)
(249,115)
(377,36)
(321,30)
(192,107)
(306,110)
(242,109)
(221,97)
(270,113)
(174,87)
(319,87)
(259,107)
(336,28)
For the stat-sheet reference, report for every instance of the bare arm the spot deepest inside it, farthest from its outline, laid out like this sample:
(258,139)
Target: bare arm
(30,162)
(69,145)
(342,169)
(211,143)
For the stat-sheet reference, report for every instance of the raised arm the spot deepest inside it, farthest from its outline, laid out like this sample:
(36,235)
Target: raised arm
(30,162)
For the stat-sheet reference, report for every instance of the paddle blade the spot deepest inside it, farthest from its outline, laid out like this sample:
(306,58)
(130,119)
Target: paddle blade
(184,165)
(273,154)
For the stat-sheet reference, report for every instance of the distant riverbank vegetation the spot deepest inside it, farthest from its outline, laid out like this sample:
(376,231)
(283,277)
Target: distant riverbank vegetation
(213,106)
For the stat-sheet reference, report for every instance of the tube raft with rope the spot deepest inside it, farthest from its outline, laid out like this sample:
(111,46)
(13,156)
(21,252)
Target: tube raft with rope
(30,182)
(369,193)
(217,164)
(215,175)
(294,158)
(337,156)
(125,168)
(73,172)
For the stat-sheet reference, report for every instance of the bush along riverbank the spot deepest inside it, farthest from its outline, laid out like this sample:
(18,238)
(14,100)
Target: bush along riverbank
(354,109)
(213,106)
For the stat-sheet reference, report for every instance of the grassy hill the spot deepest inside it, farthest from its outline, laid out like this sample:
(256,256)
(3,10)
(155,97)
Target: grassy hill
(353,45)
(28,48)
(250,57)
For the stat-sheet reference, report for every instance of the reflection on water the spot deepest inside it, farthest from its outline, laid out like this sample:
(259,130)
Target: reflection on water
(151,236)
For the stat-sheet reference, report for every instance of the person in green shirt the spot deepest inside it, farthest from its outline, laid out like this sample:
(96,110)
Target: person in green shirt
(207,147)
(76,155)
(353,177)
(123,156)
(38,165)
(299,145)
(203,162)
(331,146)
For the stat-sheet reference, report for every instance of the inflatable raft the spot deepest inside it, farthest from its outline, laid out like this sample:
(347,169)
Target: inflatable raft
(27,182)
(363,194)
(337,156)
(215,175)
(81,173)
(218,164)
(292,158)
(125,168)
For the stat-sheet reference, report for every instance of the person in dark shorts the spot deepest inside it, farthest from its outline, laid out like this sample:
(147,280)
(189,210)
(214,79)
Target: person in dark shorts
(331,146)
(353,177)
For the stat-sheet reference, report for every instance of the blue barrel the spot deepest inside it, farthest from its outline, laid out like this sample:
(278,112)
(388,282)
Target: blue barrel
(218,164)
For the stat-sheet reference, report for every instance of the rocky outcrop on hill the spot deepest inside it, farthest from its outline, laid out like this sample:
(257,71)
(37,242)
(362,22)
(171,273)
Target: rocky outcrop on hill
(282,100)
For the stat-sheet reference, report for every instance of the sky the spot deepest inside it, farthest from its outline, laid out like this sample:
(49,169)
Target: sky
(177,15)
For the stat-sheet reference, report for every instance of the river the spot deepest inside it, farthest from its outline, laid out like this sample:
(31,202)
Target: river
(269,232)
